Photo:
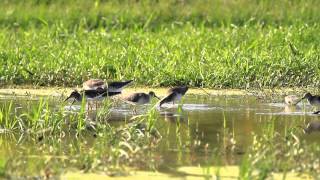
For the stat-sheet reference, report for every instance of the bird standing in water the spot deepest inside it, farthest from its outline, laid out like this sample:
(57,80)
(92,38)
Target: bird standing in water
(174,94)
(98,86)
(90,95)
(94,84)
(313,100)
(140,98)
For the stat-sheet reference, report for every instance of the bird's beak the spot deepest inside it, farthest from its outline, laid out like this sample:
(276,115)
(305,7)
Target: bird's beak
(156,97)
(67,98)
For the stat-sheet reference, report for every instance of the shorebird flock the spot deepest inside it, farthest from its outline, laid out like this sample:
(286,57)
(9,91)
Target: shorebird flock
(96,90)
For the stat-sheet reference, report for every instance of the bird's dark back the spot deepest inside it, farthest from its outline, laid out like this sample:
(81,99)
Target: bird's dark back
(314,98)
(168,98)
(179,90)
(136,97)
(111,94)
(93,93)
(119,84)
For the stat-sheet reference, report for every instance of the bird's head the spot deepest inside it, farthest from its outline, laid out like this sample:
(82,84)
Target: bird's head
(152,94)
(75,95)
(307,96)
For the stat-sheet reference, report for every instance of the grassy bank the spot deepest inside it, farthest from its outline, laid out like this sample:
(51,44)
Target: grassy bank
(214,43)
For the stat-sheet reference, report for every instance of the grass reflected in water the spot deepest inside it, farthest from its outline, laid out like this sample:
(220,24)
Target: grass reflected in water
(44,139)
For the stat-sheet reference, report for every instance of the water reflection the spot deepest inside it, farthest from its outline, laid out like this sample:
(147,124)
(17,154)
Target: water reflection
(313,126)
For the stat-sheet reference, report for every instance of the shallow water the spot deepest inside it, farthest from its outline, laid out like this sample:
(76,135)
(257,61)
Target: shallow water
(190,137)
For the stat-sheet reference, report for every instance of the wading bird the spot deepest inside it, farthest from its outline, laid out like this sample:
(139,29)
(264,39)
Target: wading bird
(90,95)
(174,94)
(140,98)
(313,100)
(94,84)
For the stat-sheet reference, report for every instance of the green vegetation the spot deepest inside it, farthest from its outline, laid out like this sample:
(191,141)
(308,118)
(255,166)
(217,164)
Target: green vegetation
(59,141)
(48,127)
(210,43)
(243,44)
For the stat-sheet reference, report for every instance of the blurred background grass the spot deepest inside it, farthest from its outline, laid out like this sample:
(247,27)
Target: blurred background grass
(155,13)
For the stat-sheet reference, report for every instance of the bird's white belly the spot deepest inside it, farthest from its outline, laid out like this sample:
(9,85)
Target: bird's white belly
(98,98)
(111,89)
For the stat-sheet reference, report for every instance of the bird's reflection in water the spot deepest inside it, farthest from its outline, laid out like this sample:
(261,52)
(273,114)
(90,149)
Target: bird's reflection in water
(172,117)
(313,126)
(291,109)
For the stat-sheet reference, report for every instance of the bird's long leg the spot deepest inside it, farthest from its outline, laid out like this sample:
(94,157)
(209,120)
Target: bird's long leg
(314,108)
(90,106)
(72,103)
(134,110)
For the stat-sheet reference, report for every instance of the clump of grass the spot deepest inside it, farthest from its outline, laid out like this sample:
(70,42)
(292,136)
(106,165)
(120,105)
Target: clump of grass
(7,121)
(278,153)
(118,147)
(2,167)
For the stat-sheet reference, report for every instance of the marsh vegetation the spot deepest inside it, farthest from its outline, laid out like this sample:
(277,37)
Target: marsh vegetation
(207,136)
(245,44)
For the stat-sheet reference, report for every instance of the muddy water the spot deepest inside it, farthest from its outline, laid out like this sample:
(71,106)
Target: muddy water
(190,137)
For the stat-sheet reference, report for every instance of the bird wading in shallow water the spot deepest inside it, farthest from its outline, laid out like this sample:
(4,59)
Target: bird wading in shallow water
(94,84)
(140,98)
(118,86)
(90,95)
(174,94)
(313,100)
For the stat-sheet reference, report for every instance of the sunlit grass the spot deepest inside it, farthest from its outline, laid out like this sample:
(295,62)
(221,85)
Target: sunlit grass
(50,125)
(231,57)
(246,51)
(202,43)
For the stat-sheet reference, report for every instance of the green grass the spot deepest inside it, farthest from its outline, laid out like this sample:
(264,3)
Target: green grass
(49,128)
(212,43)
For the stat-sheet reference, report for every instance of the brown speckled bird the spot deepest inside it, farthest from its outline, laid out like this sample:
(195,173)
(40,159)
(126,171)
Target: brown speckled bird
(140,98)
(94,84)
